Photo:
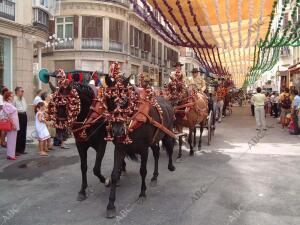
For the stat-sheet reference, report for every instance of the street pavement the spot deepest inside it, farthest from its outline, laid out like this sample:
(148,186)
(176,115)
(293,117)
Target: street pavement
(242,178)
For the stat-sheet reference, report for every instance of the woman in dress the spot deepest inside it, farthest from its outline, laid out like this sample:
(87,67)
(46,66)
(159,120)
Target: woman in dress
(11,111)
(41,129)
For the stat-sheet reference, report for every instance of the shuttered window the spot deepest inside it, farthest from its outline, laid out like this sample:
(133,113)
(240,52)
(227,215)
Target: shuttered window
(115,30)
(92,27)
(153,50)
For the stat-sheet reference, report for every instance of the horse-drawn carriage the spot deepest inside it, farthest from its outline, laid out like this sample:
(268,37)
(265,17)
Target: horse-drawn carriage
(130,116)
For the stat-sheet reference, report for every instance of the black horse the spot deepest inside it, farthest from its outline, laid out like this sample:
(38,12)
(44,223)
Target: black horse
(143,138)
(95,138)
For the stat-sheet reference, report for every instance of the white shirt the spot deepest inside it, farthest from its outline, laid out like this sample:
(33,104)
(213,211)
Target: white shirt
(259,99)
(20,104)
(37,100)
(1,100)
(272,98)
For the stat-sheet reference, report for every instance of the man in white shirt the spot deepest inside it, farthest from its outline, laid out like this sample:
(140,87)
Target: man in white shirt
(21,105)
(259,100)
(272,99)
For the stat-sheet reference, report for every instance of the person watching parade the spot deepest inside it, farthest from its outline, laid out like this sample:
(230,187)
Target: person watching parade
(221,93)
(196,81)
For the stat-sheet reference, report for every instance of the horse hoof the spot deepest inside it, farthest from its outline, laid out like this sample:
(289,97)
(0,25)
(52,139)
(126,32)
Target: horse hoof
(111,213)
(153,183)
(141,200)
(191,153)
(179,160)
(107,182)
(171,168)
(81,197)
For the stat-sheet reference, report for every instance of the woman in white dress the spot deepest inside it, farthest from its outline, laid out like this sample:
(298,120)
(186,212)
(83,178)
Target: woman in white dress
(41,129)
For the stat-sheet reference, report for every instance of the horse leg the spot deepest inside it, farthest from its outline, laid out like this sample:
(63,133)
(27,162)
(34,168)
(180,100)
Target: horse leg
(180,148)
(155,151)
(143,173)
(119,156)
(195,132)
(168,142)
(123,166)
(190,140)
(201,132)
(82,150)
(97,168)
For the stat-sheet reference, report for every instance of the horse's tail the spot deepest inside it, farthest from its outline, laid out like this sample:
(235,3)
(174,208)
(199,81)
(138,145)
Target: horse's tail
(132,156)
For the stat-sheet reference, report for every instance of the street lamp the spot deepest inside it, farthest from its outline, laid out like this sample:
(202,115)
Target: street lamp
(53,40)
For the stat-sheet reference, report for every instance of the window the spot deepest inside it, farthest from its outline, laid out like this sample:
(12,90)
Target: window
(41,17)
(285,19)
(115,30)
(159,52)
(92,27)
(153,47)
(5,62)
(65,27)
(44,3)
(131,36)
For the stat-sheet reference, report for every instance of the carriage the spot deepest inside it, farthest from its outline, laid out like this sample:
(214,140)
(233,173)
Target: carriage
(126,115)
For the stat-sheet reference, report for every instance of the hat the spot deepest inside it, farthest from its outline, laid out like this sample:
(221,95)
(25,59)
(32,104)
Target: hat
(177,64)
(195,70)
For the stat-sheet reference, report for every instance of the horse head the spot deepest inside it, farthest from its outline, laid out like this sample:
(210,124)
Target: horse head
(119,95)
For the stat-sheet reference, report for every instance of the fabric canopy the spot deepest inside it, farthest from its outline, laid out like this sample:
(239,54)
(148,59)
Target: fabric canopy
(223,33)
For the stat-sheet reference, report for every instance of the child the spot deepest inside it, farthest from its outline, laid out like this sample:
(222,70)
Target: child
(46,98)
(41,129)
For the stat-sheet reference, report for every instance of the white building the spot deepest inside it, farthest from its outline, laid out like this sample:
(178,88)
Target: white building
(101,32)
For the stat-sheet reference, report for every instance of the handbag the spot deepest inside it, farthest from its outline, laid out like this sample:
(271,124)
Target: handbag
(6,125)
(5,122)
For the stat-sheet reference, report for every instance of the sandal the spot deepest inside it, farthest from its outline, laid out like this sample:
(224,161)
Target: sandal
(43,154)
(64,147)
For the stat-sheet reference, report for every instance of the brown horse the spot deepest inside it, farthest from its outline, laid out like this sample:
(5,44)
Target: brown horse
(189,112)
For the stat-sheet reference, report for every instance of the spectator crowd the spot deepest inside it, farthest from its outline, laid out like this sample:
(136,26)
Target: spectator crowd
(14,120)
(284,106)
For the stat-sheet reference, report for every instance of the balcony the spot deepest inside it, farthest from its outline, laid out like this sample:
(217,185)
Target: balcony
(134,51)
(144,55)
(65,45)
(7,9)
(40,18)
(285,51)
(125,3)
(91,43)
(115,46)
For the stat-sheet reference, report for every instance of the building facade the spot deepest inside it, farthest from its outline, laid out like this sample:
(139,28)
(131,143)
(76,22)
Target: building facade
(97,33)
(23,28)
(283,73)
(189,60)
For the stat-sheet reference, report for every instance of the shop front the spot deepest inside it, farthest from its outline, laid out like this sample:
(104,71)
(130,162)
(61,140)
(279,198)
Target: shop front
(294,72)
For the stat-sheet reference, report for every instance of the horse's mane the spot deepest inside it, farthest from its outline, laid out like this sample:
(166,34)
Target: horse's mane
(86,95)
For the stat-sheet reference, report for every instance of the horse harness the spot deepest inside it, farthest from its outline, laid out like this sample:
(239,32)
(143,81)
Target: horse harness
(99,110)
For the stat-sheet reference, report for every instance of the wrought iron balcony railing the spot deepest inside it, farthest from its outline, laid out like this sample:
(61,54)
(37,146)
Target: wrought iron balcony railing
(65,45)
(115,46)
(40,18)
(7,9)
(91,43)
